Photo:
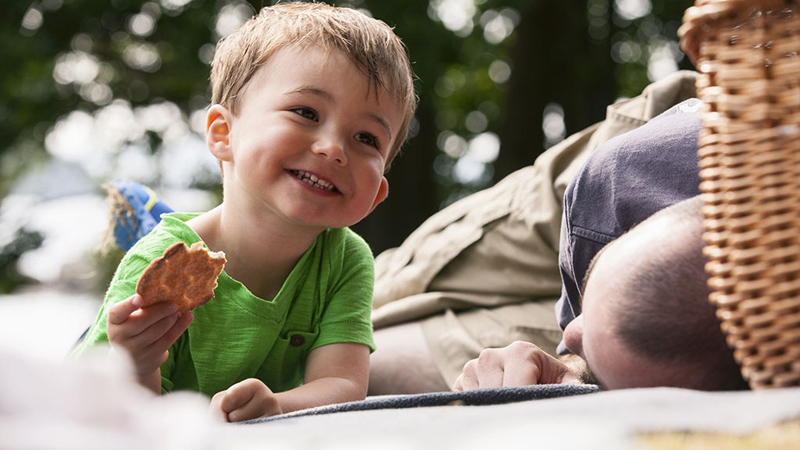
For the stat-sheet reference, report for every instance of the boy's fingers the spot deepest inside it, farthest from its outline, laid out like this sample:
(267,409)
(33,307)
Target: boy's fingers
(250,410)
(150,361)
(214,409)
(119,312)
(129,323)
(154,332)
(174,332)
(249,399)
(235,397)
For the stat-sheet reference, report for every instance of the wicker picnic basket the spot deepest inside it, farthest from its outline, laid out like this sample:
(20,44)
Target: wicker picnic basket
(748,54)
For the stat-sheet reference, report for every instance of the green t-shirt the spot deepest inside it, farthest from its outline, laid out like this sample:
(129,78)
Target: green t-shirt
(326,299)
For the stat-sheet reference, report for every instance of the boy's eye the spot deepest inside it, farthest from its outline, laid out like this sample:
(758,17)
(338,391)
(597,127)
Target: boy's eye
(368,139)
(308,113)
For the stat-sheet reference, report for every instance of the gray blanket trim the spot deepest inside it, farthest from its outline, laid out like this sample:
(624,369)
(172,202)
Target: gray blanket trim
(493,396)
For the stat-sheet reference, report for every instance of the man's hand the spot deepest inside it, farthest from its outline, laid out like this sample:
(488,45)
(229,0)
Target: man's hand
(248,399)
(518,364)
(145,333)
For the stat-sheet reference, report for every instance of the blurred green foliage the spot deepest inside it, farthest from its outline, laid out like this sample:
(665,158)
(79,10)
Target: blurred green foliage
(10,253)
(483,66)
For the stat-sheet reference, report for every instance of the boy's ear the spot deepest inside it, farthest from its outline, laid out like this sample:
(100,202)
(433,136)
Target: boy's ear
(218,132)
(383,192)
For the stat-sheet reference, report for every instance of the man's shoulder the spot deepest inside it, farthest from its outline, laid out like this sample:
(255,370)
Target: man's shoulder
(635,174)
(674,129)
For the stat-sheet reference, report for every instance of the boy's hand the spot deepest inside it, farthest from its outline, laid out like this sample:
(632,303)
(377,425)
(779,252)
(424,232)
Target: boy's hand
(146,333)
(248,399)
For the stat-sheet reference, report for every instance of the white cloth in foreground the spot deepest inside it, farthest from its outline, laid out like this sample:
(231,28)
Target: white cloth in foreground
(91,406)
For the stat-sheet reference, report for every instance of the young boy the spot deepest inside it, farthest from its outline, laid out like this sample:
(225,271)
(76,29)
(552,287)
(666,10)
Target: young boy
(310,105)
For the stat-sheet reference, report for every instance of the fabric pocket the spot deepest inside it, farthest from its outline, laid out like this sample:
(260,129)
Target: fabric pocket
(286,362)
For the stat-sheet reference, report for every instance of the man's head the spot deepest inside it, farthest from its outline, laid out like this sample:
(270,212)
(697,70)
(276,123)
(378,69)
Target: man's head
(369,43)
(646,318)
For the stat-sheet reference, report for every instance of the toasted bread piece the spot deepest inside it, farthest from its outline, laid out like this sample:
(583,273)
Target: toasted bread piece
(182,275)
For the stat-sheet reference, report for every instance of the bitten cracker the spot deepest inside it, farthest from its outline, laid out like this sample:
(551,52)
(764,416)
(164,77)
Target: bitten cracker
(182,275)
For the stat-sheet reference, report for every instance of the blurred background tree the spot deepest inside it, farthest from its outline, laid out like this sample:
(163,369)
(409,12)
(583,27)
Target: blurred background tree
(118,88)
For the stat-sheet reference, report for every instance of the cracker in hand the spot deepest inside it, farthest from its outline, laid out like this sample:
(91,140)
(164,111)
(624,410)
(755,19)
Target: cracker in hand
(182,275)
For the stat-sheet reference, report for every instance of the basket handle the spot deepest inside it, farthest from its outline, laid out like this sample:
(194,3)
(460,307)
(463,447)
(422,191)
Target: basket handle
(698,17)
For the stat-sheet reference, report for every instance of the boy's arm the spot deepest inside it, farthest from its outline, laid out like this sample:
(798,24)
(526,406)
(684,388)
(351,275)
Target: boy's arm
(335,373)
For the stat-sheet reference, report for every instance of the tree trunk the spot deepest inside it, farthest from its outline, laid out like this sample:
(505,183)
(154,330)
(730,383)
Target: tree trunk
(553,60)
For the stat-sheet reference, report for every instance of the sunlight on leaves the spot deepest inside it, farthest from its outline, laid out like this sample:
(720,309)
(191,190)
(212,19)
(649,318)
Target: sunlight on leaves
(231,17)
(142,24)
(555,130)
(498,25)
(484,147)
(142,56)
(175,5)
(499,71)
(455,15)
(633,9)
(76,67)
(32,20)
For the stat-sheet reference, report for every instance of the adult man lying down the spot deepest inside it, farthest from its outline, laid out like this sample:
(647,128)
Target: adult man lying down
(645,321)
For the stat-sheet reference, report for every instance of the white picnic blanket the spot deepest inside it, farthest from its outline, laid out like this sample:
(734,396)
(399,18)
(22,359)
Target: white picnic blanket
(90,406)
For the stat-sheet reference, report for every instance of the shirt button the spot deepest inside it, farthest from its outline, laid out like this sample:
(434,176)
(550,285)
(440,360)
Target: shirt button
(297,340)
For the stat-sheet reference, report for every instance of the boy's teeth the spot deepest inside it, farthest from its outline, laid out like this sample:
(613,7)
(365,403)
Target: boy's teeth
(313,180)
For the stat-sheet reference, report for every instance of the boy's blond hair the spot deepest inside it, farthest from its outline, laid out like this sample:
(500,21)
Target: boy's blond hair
(370,43)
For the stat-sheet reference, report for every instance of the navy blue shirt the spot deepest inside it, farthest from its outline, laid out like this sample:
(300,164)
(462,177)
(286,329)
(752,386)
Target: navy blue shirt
(622,183)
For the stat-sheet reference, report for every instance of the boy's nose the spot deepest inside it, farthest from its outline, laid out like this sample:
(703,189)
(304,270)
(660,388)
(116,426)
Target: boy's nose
(331,148)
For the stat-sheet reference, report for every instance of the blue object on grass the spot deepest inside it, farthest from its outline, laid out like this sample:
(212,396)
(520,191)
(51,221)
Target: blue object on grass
(139,212)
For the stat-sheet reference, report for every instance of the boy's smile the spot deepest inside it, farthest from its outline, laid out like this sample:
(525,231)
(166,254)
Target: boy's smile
(313,180)
(310,143)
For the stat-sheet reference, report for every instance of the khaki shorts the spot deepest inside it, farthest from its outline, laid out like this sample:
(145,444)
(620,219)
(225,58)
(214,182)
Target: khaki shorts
(457,337)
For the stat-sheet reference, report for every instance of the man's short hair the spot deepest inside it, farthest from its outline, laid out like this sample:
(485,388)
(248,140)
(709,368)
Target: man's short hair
(663,310)
(370,44)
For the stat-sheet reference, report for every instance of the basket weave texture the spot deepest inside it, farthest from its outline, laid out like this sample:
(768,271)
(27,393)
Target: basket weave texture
(747,52)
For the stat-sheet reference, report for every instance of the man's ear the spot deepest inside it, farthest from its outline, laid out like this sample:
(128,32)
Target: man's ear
(383,192)
(218,132)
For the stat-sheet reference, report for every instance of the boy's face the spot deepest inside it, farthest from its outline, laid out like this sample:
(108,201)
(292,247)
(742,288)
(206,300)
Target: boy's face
(310,142)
